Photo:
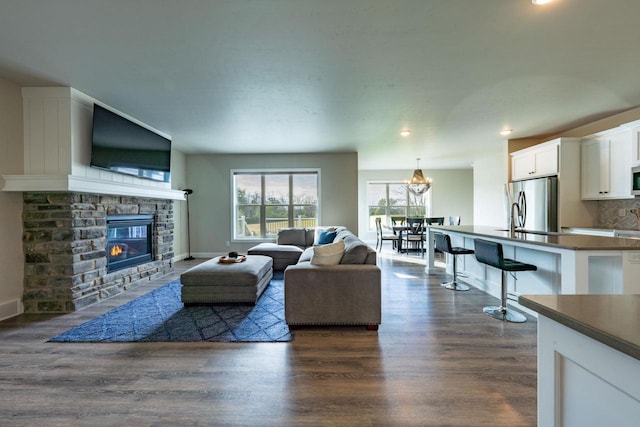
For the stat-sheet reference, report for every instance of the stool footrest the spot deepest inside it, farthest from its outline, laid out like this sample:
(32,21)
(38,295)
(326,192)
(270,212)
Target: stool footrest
(455,286)
(502,313)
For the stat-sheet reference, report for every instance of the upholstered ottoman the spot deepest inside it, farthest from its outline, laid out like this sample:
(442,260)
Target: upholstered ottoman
(213,282)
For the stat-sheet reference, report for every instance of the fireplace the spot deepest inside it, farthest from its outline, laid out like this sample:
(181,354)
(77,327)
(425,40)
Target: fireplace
(129,241)
(68,237)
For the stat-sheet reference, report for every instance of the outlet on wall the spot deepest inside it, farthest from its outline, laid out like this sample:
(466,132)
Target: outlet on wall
(228,243)
(622,212)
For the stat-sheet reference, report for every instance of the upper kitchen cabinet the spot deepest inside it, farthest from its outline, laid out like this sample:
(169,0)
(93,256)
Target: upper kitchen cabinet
(533,162)
(635,143)
(559,157)
(606,166)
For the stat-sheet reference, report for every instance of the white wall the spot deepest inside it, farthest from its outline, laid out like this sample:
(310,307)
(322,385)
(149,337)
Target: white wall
(452,193)
(210,204)
(489,178)
(178,182)
(11,162)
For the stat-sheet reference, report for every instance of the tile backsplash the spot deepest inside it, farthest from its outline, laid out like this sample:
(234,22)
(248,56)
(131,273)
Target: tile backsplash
(608,211)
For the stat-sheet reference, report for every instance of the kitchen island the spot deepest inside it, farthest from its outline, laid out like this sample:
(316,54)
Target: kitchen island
(567,263)
(588,359)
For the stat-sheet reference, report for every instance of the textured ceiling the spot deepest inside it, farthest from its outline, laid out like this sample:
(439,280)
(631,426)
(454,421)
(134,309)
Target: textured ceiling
(271,76)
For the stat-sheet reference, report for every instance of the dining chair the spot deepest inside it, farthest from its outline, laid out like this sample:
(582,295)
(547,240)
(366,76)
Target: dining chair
(414,235)
(383,236)
(398,224)
(398,220)
(438,220)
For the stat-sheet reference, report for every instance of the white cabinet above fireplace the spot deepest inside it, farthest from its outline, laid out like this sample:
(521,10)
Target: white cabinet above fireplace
(57,149)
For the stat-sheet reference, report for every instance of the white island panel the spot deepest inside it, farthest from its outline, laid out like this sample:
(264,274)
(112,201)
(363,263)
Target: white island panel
(567,264)
(582,382)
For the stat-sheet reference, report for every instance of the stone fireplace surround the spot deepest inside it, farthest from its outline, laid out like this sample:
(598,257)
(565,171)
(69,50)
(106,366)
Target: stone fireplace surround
(64,243)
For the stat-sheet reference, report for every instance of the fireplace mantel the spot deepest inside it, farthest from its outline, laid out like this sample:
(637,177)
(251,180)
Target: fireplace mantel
(46,183)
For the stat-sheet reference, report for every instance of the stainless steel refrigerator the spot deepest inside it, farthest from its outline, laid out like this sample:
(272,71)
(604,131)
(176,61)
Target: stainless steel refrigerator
(541,197)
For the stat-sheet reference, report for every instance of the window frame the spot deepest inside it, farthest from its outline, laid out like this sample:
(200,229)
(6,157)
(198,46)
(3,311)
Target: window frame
(427,199)
(263,206)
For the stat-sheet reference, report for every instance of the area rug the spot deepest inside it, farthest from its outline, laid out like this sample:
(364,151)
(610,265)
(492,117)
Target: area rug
(160,316)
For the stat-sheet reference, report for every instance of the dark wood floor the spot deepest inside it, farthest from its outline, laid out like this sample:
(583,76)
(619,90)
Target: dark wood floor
(436,360)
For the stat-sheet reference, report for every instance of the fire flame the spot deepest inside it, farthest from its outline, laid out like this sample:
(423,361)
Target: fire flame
(116,250)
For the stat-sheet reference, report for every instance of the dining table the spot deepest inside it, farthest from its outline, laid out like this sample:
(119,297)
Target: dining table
(398,230)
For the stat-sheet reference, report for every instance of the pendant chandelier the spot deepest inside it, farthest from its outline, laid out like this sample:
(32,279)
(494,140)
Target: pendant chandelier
(418,183)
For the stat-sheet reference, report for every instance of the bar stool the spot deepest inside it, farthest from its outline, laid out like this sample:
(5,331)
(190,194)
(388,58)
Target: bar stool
(443,243)
(490,253)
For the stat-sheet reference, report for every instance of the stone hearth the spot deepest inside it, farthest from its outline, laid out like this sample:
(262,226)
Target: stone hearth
(64,242)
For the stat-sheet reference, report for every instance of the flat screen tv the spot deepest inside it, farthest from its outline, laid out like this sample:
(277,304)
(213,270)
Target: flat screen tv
(122,146)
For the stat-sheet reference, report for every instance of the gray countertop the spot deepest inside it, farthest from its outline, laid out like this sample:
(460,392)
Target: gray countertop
(613,320)
(558,240)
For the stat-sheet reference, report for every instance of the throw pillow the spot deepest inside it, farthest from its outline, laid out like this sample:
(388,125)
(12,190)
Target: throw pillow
(319,230)
(329,254)
(326,237)
(306,255)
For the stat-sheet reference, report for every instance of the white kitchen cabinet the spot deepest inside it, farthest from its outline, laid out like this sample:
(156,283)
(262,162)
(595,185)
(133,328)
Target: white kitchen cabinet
(561,157)
(606,167)
(635,146)
(540,160)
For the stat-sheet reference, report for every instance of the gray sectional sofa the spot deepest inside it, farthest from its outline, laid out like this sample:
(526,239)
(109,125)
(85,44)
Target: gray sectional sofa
(289,246)
(347,293)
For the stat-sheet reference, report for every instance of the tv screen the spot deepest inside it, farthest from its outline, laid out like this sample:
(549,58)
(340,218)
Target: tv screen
(123,146)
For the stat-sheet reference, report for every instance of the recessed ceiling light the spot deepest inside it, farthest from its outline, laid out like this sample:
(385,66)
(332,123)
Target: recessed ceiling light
(506,132)
(540,2)
(405,132)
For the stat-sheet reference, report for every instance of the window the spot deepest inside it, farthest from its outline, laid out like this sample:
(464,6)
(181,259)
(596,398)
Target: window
(387,199)
(267,201)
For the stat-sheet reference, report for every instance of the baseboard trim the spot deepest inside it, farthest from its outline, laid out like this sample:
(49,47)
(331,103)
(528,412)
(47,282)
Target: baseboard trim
(208,254)
(10,308)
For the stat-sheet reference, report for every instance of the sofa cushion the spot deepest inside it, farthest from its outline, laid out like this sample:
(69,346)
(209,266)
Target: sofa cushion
(309,236)
(292,236)
(355,251)
(343,234)
(306,255)
(330,254)
(326,237)
(276,251)
(283,255)
(372,257)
